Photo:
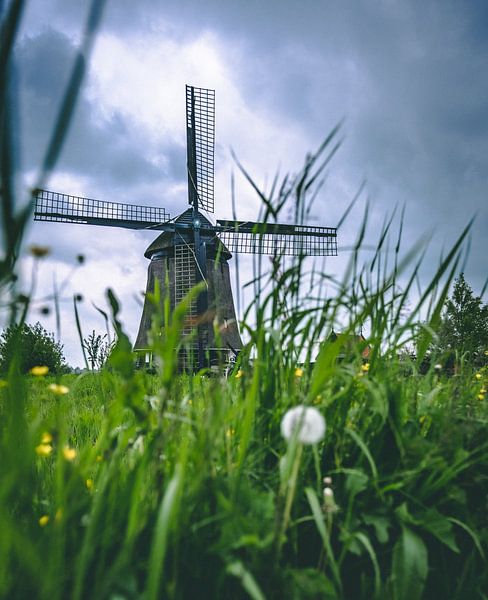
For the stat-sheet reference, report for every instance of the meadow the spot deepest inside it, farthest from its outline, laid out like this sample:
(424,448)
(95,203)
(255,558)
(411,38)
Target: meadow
(128,484)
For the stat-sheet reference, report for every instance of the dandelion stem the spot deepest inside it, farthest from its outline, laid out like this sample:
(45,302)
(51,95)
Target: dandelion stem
(289,488)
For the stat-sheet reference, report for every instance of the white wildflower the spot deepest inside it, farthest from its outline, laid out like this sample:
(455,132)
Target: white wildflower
(305,420)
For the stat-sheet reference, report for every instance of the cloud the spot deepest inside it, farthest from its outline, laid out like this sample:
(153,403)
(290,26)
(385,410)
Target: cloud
(100,143)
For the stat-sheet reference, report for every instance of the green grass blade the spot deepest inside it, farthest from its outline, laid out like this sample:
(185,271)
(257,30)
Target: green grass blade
(237,569)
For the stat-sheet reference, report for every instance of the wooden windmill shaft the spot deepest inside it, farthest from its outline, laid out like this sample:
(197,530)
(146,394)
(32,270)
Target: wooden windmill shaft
(190,248)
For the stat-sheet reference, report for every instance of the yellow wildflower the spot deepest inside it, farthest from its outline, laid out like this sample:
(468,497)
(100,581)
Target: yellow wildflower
(39,371)
(46,438)
(89,484)
(365,367)
(69,453)
(478,376)
(44,449)
(239,374)
(483,390)
(481,396)
(230,432)
(298,372)
(44,520)
(58,389)
(39,251)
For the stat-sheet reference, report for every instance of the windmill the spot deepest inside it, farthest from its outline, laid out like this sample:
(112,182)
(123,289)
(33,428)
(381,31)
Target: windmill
(191,248)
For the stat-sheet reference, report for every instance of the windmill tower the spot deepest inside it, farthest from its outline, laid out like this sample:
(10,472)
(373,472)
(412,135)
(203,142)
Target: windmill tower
(191,248)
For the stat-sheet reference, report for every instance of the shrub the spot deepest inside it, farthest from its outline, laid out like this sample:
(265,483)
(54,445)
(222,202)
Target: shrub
(32,345)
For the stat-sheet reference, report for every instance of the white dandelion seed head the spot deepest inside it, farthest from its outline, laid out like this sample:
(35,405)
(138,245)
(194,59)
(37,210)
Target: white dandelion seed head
(306,421)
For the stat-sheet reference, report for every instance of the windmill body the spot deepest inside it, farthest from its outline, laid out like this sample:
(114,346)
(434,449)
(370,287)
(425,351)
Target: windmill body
(172,261)
(190,248)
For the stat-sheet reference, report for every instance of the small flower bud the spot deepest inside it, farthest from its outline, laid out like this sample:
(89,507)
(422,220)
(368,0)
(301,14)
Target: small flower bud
(39,251)
(44,520)
(328,492)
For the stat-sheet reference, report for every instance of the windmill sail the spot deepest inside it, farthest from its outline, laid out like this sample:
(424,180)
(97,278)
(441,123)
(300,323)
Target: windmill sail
(63,208)
(279,239)
(200,132)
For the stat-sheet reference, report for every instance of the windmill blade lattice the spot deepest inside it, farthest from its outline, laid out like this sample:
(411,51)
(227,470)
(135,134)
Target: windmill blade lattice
(278,239)
(63,208)
(200,130)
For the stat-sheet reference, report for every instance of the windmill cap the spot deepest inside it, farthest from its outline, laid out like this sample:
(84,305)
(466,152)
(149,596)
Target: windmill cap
(168,239)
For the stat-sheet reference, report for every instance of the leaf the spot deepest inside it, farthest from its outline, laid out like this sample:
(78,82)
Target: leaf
(471,533)
(440,527)
(356,481)
(237,569)
(364,539)
(409,566)
(365,450)
(380,524)
(432,521)
(309,584)
(324,534)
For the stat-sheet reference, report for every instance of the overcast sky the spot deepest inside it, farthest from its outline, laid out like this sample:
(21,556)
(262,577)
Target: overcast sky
(409,78)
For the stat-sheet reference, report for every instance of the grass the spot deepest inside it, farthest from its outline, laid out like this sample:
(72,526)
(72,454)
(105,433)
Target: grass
(176,489)
(132,485)
(166,485)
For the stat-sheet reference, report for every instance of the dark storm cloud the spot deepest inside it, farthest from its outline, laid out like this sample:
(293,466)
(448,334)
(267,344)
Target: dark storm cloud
(104,146)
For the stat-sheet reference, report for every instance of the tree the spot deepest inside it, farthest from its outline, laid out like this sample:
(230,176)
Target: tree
(33,346)
(464,325)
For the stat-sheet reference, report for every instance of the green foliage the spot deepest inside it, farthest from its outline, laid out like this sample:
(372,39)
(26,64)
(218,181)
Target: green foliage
(97,349)
(464,326)
(30,346)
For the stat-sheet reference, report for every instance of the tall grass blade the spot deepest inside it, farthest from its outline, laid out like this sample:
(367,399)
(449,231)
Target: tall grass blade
(165,523)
